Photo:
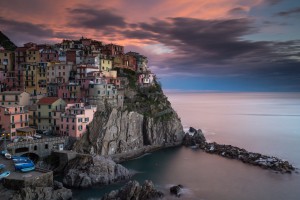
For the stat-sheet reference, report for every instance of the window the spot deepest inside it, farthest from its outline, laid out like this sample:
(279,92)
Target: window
(49,113)
(49,121)
(39,106)
(80,128)
(35,148)
(13,126)
(46,146)
(79,119)
(49,106)
(87,119)
(62,126)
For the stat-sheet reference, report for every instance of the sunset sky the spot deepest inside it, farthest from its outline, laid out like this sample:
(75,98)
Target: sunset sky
(192,45)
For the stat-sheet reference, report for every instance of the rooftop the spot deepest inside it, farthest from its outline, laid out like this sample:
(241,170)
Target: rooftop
(47,100)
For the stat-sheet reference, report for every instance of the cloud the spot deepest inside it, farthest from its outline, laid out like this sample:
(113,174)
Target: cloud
(215,48)
(294,11)
(95,18)
(273,2)
(237,10)
(39,30)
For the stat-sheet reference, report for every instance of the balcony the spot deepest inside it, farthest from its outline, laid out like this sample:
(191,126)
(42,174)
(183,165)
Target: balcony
(20,121)
(15,113)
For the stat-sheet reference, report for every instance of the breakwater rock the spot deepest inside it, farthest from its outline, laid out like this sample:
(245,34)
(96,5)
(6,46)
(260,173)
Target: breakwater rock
(133,190)
(232,152)
(85,171)
(176,190)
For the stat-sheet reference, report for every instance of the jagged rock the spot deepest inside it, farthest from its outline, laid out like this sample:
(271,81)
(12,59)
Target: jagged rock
(133,190)
(42,193)
(86,171)
(197,138)
(176,190)
(57,185)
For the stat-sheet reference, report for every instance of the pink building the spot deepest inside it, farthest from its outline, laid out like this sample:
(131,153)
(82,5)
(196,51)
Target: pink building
(74,121)
(71,92)
(13,119)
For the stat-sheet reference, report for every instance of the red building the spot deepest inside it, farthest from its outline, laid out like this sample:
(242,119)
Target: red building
(49,55)
(112,50)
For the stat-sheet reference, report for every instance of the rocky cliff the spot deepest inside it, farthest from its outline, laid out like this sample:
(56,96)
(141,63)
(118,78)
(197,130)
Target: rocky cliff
(133,190)
(147,119)
(85,171)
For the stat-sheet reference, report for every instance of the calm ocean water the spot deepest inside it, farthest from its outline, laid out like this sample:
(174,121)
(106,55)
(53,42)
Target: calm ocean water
(261,122)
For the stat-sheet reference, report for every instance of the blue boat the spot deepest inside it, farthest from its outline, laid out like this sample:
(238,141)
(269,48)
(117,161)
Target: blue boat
(4,174)
(22,165)
(2,166)
(20,159)
(28,169)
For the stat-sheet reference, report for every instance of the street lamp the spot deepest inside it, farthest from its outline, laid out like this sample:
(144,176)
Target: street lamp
(4,135)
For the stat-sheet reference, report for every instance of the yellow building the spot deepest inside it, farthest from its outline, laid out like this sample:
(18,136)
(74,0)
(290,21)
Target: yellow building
(33,55)
(45,108)
(105,63)
(6,60)
(35,78)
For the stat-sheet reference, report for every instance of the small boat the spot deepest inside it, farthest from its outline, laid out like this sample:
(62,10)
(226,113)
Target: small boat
(7,156)
(20,159)
(4,174)
(28,169)
(22,165)
(2,166)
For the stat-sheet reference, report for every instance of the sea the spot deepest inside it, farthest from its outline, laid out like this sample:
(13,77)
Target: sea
(268,123)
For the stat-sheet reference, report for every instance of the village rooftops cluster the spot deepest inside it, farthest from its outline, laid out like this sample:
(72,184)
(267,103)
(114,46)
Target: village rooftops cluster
(49,82)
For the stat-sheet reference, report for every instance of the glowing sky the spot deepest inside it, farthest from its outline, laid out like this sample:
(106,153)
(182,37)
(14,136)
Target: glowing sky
(223,45)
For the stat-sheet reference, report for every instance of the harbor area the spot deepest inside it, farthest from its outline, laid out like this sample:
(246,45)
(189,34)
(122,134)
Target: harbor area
(18,179)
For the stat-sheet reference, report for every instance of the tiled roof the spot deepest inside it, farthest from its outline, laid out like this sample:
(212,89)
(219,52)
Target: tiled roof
(47,100)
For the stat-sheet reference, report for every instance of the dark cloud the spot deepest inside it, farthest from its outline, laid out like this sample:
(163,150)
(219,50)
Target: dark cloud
(237,10)
(92,18)
(273,2)
(38,30)
(294,11)
(218,48)
(22,32)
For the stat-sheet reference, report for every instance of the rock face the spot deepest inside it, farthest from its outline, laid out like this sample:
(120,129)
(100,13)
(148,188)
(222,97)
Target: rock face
(116,131)
(194,137)
(176,190)
(58,192)
(86,171)
(133,190)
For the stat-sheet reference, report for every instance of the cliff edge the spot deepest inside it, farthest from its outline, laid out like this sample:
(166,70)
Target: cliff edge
(146,119)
